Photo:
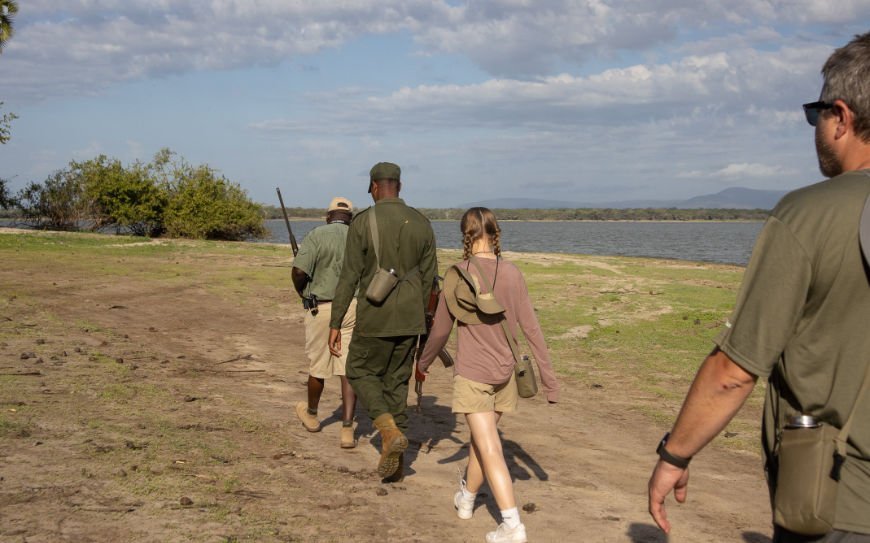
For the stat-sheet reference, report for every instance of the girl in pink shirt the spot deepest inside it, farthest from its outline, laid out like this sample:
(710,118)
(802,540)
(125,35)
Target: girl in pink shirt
(483,381)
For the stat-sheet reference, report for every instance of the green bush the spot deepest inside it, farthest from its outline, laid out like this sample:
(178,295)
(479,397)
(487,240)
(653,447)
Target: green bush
(56,204)
(127,198)
(205,205)
(166,196)
(6,199)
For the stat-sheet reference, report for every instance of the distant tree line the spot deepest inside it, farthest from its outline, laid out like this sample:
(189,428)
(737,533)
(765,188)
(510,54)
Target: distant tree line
(167,196)
(568,214)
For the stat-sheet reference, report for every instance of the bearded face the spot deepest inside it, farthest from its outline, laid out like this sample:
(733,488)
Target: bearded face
(829,164)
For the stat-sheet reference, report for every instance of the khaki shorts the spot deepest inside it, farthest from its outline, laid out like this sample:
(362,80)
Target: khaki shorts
(473,397)
(322,364)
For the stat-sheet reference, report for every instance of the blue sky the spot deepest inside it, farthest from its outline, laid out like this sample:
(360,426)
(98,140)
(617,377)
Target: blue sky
(582,101)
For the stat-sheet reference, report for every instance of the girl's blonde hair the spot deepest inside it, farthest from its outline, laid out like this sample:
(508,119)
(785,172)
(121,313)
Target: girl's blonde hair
(475,223)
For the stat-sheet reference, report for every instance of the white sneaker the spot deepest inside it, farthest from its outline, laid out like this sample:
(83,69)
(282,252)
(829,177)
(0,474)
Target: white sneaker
(503,534)
(464,506)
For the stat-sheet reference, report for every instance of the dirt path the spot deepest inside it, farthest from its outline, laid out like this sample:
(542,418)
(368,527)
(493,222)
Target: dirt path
(165,414)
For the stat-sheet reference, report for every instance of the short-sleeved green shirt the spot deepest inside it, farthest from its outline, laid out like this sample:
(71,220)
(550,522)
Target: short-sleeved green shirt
(407,245)
(320,257)
(802,318)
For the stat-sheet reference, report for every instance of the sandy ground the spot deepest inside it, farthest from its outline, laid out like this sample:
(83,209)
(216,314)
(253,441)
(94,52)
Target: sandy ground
(144,414)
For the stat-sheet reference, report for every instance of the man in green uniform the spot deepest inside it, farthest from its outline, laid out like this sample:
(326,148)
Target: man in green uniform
(381,351)
(801,315)
(315,274)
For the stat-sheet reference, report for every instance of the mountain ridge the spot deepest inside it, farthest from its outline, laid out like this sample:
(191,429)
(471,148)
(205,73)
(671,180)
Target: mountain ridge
(730,198)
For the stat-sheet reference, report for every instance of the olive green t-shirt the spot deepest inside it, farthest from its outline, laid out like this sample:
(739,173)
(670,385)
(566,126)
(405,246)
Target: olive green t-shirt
(406,245)
(801,320)
(320,256)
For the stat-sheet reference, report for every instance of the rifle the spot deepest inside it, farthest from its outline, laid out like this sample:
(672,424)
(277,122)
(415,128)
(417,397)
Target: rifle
(445,357)
(287,222)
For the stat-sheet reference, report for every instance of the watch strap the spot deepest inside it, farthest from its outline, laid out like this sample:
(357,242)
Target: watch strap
(672,459)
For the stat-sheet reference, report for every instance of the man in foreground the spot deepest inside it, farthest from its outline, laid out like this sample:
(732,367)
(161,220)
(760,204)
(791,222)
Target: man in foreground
(801,316)
(380,356)
(315,274)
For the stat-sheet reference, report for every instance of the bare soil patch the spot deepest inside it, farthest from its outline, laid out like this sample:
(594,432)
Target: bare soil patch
(159,408)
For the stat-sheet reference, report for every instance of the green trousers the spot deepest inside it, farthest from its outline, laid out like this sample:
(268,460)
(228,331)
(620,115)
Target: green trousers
(379,369)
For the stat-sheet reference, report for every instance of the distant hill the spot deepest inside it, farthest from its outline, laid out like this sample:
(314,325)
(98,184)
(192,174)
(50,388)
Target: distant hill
(731,198)
(736,198)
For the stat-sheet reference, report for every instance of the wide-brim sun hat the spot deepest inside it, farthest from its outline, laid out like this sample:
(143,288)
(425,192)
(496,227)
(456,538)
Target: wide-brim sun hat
(465,300)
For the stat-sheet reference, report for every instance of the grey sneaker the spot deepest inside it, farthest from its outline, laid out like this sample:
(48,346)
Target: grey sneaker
(503,534)
(464,506)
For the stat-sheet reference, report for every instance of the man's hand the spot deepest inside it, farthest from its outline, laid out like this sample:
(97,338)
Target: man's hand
(665,478)
(335,342)
(419,375)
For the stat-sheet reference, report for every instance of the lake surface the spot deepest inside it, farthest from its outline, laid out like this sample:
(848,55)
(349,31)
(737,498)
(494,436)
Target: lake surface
(722,242)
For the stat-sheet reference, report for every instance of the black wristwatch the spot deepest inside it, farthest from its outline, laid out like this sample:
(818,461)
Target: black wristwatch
(672,459)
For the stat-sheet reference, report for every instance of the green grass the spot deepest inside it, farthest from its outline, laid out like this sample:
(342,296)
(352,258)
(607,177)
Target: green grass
(643,323)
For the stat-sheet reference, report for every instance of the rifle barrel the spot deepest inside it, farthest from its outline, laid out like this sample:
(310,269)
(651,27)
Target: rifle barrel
(287,222)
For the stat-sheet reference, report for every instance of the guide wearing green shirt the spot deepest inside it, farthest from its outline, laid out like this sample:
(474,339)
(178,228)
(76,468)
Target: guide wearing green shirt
(381,352)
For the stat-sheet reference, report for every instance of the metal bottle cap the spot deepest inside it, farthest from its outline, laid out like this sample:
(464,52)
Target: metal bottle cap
(802,421)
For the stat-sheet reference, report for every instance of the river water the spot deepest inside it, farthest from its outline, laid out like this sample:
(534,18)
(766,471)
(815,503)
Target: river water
(722,242)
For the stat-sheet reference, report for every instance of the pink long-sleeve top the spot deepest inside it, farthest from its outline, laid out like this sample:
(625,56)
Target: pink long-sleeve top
(483,353)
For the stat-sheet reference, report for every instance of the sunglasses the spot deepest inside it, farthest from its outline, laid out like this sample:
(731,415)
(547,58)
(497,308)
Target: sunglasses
(814,109)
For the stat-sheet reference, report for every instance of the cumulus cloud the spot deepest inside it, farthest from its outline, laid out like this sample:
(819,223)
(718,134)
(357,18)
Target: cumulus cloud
(81,46)
(767,85)
(743,170)
(579,93)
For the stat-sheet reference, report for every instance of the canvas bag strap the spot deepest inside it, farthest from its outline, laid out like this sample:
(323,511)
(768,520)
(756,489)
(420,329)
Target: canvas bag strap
(507,333)
(864,239)
(373,226)
(844,432)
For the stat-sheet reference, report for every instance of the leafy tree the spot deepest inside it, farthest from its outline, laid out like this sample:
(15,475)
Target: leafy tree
(205,205)
(168,195)
(6,199)
(128,198)
(56,204)
(139,203)
(5,120)
(8,9)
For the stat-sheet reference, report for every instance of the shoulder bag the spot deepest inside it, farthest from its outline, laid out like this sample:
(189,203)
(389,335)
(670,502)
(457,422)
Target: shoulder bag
(809,458)
(808,473)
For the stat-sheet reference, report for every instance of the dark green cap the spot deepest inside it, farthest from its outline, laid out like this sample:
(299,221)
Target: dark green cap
(385,170)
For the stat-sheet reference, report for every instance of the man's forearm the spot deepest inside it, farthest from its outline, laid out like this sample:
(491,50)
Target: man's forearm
(300,280)
(719,390)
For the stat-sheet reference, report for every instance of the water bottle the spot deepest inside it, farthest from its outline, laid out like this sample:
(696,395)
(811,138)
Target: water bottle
(802,421)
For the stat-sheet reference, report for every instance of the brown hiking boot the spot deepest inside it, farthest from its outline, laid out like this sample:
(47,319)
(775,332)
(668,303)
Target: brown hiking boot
(347,440)
(309,421)
(399,475)
(393,445)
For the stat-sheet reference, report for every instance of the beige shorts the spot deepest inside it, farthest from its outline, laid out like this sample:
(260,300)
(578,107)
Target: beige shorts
(322,364)
(473,397)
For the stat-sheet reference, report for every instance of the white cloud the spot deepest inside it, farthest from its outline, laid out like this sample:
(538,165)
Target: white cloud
(585,94)
(743,170)
(725,85)
(752,170)
(83,46)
